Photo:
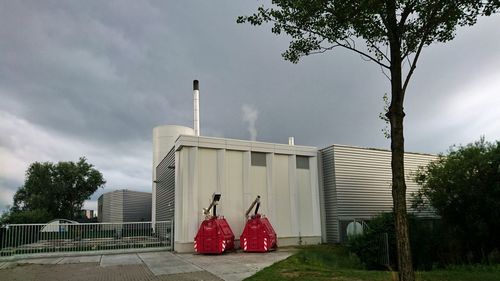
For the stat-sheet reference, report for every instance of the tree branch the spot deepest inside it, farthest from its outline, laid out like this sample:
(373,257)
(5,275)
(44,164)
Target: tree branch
(385,74)
(363,54)
(372,45)
(413,65)
(426,29)
(324,49)
(337,44)
(406,12)
(348,46)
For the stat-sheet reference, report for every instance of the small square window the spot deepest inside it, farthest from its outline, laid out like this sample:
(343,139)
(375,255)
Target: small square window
(302,162)
(258,159)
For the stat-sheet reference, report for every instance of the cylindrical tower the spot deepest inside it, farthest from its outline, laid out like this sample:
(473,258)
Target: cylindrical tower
(164,138)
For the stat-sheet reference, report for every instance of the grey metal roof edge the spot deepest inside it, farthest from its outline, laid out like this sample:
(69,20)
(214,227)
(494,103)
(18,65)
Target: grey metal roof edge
(124,190)
(235,144)
(376,149)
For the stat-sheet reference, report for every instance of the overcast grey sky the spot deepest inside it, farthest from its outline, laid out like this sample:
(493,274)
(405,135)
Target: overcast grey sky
(92,78)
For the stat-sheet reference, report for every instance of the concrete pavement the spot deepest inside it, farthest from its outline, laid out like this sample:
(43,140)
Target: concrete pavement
(164,265)
(235,266)
(167,263)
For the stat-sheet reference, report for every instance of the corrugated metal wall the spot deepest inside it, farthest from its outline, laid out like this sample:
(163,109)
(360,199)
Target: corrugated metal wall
(100,208)
(124,206)
(357,183)
(110,207)
(115,203)
(136,206)
(165,188)
(330,195)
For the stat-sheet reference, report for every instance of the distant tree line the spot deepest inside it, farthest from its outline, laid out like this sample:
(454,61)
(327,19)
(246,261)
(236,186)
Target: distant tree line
(53,191)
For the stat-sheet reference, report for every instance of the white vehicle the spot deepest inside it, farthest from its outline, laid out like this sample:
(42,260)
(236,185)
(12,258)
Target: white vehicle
(58,225)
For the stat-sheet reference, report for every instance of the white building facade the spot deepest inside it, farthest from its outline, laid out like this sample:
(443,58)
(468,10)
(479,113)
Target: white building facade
(285,176)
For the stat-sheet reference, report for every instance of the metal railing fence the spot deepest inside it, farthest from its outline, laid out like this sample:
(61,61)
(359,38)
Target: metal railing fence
(26,239)
(383,250)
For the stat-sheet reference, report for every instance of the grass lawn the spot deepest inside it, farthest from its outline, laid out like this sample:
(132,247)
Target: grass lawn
(335,263)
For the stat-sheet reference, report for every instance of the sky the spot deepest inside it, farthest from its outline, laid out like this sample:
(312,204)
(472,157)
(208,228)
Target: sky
(92,78)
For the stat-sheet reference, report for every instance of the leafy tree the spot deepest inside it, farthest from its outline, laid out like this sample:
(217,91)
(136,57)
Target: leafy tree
(393,32)
(54,191)
(31,216)
(464,189)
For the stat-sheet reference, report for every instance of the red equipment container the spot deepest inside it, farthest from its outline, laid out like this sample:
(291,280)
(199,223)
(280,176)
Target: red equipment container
(258,234)
(214,235)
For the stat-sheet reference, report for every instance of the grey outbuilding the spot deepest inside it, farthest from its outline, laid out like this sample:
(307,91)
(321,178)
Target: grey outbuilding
(356,185)
(124,206)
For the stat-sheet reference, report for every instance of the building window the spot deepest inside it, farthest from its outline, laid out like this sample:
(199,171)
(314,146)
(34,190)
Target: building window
(302,162)
(258,159)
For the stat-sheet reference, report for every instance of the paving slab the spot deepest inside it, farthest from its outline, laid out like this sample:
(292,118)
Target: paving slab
(162,265)
(235,266)
(94,272)
(39,261)
(82,259)
(7,265)
(126,259)
(167,263)
(237,276)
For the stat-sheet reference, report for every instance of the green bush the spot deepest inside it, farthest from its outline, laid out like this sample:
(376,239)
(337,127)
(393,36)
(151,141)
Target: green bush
(368,246)
(463,187)
(427,245)
(29,216)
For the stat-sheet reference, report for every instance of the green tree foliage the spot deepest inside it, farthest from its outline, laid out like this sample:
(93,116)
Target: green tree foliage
(464,189)
(31,216)
(54,191)
(389,33)
(428,241)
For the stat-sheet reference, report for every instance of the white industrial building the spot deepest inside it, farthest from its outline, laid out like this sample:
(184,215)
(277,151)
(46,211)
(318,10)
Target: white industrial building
(286,177)
(307,193)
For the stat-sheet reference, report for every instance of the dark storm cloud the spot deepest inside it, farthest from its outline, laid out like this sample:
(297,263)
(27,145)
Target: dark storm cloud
(93,78)
(75,69)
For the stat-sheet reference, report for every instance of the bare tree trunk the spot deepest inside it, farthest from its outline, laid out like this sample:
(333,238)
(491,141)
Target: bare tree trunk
(396,115)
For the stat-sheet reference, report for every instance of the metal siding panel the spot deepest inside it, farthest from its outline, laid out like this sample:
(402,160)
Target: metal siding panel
(115,201)
(100,208)
(357,184)
(125,206)
(106,216)
(330,196)
(363,180)
(165,188)
(136,206)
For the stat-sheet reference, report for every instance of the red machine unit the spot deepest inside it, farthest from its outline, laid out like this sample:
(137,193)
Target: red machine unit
(258,235)
(214,236)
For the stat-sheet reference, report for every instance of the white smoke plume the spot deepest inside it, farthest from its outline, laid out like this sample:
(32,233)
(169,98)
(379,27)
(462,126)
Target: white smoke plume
(250,115)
